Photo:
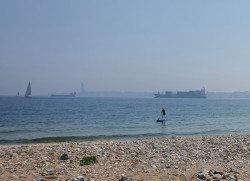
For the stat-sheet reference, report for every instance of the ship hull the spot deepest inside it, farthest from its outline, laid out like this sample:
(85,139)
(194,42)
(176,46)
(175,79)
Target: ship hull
(164,96)
(54,95)
(200,94)
(73,94)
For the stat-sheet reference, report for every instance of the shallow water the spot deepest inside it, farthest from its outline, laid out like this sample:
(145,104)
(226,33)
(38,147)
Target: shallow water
(42,119)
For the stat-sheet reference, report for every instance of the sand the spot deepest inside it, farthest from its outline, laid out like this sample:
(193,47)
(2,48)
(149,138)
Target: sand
(177,158)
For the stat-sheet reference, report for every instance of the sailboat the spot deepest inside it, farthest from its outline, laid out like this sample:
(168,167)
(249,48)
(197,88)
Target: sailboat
(28,92)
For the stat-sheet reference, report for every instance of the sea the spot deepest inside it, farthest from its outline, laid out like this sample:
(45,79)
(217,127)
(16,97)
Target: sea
(47,119)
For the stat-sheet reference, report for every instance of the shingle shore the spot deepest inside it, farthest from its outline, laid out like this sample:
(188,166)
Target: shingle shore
(177,158)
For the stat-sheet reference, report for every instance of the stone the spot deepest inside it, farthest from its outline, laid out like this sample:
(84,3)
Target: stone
(218,172)
(125,179)
(210,172)
(226,175)
(79,178)
(64,157)
(217,176)
(208,177)
(201,176)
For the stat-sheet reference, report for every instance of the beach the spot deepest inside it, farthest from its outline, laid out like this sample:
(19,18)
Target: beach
(177,158)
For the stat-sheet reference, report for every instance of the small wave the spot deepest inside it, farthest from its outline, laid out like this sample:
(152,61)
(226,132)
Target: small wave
(208,132)
(109,137)
(16,131)
(8,132)
(12,132)
(80,138)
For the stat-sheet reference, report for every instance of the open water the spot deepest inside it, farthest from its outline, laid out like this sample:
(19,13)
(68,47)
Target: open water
(42,119)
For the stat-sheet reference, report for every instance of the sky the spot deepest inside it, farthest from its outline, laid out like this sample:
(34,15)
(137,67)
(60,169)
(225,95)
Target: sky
(125,45)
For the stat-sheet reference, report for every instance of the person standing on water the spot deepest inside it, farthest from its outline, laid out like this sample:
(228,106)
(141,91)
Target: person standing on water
(163,113)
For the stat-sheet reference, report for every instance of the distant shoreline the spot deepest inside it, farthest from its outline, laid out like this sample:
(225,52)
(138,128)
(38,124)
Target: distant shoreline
(176,158)
(131,94)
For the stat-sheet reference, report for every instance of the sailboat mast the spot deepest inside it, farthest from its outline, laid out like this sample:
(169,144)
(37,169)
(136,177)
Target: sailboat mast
(28,91)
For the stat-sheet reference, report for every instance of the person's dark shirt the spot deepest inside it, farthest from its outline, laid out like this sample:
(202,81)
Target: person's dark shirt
(163,111)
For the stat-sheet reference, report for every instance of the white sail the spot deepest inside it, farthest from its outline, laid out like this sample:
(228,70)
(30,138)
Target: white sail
(28,91)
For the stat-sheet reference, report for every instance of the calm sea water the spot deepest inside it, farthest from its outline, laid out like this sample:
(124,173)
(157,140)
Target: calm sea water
(42,119)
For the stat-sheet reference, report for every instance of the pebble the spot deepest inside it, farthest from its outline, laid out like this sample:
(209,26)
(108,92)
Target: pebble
(177,158)
(64,157)
(215,175)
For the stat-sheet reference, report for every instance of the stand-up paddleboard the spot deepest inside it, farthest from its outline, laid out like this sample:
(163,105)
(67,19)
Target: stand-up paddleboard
(161,120)
(162,117)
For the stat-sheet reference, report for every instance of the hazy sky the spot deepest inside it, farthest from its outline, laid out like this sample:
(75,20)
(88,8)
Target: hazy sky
(130,45)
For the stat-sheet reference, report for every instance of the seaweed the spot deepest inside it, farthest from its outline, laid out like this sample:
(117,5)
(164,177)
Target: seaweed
(87,160)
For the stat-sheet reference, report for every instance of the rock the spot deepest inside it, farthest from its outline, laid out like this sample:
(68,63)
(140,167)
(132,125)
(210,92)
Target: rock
(122,178)
(15,155)
(208,177)
(217,176)
(69,179)
(125,179)
(210,172)
(226,175)
(79,178)
(201,176)
(236,177)
(218,172)
(64,157)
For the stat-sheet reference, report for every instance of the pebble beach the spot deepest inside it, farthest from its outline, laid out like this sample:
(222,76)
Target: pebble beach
(176,158)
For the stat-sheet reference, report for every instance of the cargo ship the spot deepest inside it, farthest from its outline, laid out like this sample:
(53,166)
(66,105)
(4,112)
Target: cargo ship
(181,94)
(73,94)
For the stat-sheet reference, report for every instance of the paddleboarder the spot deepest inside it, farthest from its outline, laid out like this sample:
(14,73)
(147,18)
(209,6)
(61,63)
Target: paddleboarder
(163,113)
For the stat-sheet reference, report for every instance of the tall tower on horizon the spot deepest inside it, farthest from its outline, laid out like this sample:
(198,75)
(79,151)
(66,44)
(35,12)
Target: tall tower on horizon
(82,88)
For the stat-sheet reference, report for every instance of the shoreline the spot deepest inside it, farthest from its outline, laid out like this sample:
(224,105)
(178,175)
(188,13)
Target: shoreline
(175,158)
(99,138)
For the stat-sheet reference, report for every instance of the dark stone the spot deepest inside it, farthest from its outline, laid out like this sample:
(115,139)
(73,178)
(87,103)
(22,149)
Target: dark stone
(226,175)
(211,173)
(125,179)
(80,178)
(64,157)
(201,176)
(236,177)
(235,172)
(218,172)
